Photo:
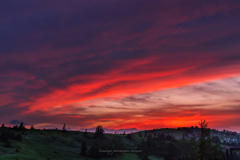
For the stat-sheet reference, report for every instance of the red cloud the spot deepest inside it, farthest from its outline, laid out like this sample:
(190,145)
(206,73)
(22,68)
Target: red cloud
(57,56)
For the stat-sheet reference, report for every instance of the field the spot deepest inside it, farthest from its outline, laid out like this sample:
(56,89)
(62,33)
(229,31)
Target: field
(66,145)
(55,144)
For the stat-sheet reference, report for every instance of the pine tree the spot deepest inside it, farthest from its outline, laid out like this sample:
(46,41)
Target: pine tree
(204,140)
(21,127)
(206,150)
(99,131)
(64,127)
(32,128)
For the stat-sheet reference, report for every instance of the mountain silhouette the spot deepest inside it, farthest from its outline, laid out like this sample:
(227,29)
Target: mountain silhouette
(17,122)
(119,131)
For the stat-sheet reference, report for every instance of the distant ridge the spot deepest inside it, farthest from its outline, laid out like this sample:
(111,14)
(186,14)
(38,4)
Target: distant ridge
(17,122)
(128,130)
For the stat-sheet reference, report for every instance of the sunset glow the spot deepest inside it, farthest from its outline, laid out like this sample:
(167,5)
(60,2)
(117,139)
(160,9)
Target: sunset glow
(120,64)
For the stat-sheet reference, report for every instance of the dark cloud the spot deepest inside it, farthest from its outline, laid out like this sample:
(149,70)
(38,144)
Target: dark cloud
(104,48)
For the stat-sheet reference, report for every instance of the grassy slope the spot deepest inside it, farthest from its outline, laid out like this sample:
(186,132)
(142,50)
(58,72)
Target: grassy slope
(54,144)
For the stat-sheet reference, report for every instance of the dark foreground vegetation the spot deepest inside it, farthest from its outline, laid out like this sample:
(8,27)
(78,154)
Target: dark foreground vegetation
(193,143)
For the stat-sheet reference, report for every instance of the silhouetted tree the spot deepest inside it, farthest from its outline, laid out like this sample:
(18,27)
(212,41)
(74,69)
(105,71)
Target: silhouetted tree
(84,149)
(2,125)
(85,134)
(32,128)
(15,127)
(64,127)
(204,140)
(124,133)
(140,134)
(99,131)
(206,150)
(21,127)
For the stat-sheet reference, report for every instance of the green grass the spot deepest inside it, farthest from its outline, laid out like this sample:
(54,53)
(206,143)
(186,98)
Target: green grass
(54,144)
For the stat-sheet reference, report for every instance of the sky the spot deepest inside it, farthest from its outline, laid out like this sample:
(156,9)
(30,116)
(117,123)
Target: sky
(120,63)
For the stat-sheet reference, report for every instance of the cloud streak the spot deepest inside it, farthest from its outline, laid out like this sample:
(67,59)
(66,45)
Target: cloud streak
(58,58)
